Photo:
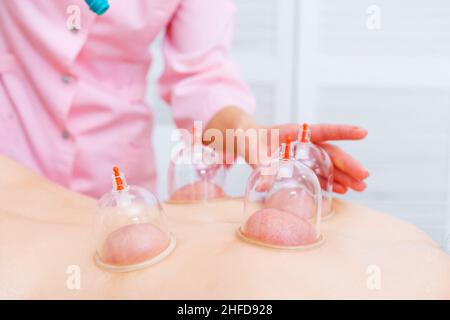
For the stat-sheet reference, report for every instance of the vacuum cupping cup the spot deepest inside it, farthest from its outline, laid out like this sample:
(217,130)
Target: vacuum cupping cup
(130,228)
(318,161)
(195,173)
(282,204)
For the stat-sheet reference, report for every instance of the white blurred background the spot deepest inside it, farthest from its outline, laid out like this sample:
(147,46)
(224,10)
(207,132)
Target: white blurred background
(383,65)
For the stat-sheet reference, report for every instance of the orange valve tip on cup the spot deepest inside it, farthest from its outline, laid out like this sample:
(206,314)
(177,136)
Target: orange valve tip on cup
(305,133)
(117,177)
(287,148)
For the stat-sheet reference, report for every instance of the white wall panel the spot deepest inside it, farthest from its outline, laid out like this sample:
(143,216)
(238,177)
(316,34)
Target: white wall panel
(394,81)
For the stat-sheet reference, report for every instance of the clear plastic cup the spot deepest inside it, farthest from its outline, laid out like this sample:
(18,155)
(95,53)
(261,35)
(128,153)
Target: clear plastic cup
(130,229)
(318,161)
(282,205)
(196,173)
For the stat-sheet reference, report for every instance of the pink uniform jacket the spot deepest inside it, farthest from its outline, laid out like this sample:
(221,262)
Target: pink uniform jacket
(72,101)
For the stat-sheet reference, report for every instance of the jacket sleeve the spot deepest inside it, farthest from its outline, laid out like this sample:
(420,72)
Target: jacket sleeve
(199,77)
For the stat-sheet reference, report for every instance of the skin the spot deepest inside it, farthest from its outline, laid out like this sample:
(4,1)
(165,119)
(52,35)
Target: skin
(349,173)
(279,228)
(134,243)
(294,201)
(42,237)
(199,190)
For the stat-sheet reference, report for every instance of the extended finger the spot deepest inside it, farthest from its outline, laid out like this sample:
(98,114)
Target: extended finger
(345,162)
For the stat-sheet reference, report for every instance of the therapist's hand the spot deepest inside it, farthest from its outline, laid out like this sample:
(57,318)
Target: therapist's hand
(348,172)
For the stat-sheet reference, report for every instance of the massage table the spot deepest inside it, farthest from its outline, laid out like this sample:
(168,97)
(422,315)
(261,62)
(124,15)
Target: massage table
(46,230)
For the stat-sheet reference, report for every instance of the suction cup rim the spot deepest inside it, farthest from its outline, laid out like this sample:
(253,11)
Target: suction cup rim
(137,266)
(320,240)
